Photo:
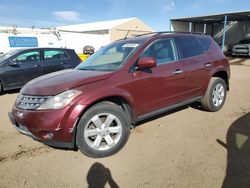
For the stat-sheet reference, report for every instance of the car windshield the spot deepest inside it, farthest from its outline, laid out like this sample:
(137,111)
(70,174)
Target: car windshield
(245,41)
(7,55)
(111,57)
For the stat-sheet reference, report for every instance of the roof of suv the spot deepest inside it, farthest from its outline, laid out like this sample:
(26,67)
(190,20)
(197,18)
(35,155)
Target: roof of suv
(171,32)
(147,36)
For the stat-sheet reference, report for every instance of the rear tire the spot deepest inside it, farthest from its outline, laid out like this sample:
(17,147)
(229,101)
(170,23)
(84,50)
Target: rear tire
(215,96)
(102,130)
(1,88)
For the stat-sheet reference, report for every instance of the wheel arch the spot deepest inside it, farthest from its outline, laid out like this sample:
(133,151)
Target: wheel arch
(223,75)
(118,100)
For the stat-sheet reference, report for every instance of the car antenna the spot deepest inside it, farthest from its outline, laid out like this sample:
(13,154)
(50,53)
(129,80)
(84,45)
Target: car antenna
(127,34)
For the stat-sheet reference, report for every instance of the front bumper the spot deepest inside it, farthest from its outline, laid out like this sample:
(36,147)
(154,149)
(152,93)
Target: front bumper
(51,127)
(22,129)
(241,52)
(25,131)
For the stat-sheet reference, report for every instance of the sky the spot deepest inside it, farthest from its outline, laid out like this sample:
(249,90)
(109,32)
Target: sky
(155,13)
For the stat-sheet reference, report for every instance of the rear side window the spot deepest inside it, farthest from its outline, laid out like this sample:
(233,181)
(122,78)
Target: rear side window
(55,55)
(189,46)
(206,42)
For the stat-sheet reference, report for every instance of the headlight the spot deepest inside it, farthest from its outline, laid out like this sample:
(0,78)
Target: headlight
(59,101)
(19,98)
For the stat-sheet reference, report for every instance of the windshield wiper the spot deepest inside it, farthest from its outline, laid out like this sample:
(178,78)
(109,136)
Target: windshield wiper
(86,69)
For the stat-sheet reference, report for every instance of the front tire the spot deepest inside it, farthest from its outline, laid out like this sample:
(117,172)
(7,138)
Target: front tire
(215,96)
(103,130)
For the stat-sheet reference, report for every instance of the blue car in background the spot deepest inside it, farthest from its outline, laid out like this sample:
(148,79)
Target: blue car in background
(20,66)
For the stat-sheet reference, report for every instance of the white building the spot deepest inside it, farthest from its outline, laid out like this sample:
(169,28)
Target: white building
(14,38)
(96,34)
(113,29)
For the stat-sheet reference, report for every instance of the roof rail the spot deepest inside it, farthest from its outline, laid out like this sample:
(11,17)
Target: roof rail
(170,32)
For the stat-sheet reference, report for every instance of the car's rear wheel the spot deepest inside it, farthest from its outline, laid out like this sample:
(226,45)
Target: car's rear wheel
(1,88)
(215,96)
(103,130)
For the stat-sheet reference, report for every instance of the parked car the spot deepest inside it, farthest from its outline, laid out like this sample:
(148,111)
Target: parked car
(94,106)
(88,50)
(20,66)
(242,48)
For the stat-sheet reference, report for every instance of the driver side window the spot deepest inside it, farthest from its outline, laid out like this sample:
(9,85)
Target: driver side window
(28,57)
(163,51)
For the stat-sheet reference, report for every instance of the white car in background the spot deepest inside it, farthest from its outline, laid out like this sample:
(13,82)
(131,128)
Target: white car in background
(242,48)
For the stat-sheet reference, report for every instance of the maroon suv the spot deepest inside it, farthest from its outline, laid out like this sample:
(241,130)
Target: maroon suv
(94,106)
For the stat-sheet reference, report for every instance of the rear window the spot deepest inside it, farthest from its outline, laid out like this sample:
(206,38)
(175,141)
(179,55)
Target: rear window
(189,46)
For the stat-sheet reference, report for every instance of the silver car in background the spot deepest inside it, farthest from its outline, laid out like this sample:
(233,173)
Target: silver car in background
(242,48)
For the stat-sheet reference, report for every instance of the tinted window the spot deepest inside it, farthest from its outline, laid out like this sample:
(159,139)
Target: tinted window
(54,55)
(7,55)
(245,41)
(189,46)
(206,42)
(28,57)
(162,51)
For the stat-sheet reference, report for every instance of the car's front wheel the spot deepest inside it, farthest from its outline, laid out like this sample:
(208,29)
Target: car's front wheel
(103,130)
(215,95)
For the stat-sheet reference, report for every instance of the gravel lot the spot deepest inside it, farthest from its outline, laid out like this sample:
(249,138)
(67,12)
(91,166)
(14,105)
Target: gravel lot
(185,148)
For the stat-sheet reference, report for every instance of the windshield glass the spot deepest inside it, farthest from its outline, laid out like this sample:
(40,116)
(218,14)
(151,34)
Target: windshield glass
(7,55)
(111,57)
(245,41)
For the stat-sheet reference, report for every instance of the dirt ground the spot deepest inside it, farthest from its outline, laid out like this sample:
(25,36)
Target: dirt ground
(185,148)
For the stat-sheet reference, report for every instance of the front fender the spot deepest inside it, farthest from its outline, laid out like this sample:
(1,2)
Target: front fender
(87,99)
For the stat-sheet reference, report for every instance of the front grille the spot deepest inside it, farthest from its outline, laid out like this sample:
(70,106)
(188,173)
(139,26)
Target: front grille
(28,102)
(241,48)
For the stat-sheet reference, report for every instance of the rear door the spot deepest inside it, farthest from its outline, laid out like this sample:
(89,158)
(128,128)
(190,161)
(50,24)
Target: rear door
(196,63)
(163,85)
(22,68)
(55,60)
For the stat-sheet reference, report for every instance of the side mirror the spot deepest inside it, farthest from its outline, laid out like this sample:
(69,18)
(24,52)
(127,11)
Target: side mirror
(13,63)
(146,62)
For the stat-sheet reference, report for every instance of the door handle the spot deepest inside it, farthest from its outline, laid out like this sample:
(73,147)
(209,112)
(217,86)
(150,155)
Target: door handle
(63,63)
(208,65)
(36,65)
(178,71)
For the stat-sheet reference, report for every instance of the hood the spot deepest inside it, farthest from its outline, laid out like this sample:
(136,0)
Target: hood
(57,82)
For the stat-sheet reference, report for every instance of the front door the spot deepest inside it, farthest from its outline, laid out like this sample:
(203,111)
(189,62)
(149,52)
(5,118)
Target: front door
(162,85)
(22,68)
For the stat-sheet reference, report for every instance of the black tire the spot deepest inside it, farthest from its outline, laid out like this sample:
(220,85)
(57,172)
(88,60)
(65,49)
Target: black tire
(99,113)
(1,88)
(211,102)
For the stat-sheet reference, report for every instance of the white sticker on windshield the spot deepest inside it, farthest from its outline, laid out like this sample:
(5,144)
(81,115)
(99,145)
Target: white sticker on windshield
(130,45)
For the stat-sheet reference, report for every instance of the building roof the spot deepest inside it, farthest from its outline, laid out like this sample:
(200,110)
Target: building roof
(217,18)
(95,26)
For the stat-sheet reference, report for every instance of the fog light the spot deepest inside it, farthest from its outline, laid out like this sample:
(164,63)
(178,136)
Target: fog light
(47,135)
